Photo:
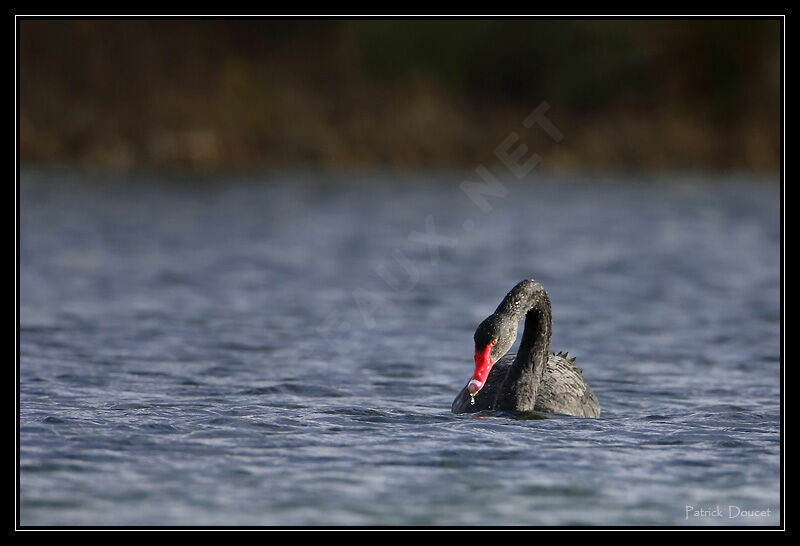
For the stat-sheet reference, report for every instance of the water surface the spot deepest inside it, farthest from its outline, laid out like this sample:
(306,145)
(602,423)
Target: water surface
(284,349)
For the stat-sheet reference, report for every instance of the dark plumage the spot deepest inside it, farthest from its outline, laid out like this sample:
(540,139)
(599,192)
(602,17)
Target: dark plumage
(563,389)
(533,379)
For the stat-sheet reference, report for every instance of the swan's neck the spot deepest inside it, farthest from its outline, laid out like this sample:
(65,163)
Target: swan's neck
(525,375)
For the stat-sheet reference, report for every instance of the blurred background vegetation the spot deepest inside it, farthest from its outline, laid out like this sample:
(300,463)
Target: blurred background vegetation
(205,95)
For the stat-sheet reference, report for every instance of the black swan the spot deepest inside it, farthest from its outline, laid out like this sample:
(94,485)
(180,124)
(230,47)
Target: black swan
(532,380)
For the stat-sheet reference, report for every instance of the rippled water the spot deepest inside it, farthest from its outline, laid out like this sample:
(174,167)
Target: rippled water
(283,350)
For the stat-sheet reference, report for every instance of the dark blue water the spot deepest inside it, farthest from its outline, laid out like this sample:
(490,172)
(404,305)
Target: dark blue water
(284,349)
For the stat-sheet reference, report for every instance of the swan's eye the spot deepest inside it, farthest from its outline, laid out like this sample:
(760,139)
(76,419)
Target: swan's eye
(494,342)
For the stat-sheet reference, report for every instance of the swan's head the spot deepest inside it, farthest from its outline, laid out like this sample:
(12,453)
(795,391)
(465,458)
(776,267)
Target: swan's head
(493,338)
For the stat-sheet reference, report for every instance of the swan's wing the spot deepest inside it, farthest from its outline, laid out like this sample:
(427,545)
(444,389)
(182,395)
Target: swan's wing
(564,390)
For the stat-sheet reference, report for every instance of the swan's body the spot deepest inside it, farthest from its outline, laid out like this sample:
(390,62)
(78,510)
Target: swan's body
(563,389)
(533,379)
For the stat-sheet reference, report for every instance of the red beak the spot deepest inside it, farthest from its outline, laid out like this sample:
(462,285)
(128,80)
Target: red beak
(483,365)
